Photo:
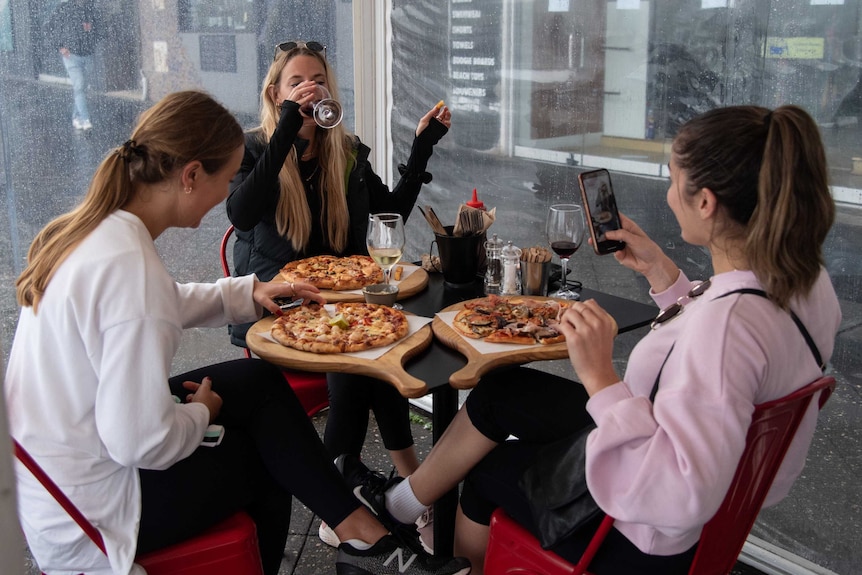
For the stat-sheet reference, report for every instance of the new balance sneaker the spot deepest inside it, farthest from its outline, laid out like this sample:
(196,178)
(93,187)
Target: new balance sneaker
(370,488)
(387,557)
(327,535)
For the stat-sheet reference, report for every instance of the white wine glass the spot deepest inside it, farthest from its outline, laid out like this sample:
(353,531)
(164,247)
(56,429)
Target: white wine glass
(325,110)
(565,230)
(385,240)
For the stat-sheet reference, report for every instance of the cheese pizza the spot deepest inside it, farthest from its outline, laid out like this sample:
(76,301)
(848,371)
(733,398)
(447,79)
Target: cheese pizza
(333,272)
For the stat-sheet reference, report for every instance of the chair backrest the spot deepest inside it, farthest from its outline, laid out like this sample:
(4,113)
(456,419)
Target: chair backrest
(57,493)
(227,548)
(772,429)
(223,251)
(512,550)
(225,268)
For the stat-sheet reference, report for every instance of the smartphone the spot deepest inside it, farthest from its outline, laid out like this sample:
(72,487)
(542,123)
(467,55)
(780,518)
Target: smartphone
(600,206)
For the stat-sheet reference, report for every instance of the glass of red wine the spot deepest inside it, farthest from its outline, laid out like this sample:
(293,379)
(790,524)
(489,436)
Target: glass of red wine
(565,229)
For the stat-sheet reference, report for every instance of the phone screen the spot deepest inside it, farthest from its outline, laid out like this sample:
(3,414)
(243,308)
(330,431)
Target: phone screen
(600,206)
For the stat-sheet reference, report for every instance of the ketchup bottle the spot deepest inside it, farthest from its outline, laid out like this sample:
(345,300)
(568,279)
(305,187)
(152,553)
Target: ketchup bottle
(481,256)
(475,202)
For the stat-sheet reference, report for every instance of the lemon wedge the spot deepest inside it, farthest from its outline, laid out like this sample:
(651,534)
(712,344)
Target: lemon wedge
(339,321)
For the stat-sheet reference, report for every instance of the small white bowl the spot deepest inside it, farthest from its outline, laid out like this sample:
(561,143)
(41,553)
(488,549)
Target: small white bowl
(381,294)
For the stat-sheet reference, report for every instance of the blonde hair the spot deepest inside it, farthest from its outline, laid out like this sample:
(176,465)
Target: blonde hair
(293,216)
(768,171)
(182,127)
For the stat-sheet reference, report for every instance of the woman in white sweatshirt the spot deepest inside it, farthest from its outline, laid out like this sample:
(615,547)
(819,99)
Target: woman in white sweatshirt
(88,385)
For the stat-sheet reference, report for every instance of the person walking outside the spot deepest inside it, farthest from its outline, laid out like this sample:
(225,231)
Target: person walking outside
(73,31)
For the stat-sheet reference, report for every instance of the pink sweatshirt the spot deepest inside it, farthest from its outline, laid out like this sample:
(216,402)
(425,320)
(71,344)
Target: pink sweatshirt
(663,470)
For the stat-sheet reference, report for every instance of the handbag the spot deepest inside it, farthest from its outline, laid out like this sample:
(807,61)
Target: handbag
(556,488)
(556,484)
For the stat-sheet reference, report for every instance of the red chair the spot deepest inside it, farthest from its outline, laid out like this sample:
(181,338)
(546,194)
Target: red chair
(227,548)
(512,550)
(309,387)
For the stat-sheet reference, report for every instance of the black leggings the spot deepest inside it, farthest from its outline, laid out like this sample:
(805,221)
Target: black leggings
(538,408)
(270,452)
(350,398)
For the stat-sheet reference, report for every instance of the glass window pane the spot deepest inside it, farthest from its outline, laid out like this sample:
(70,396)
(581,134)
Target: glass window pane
(541,90)
(144,50)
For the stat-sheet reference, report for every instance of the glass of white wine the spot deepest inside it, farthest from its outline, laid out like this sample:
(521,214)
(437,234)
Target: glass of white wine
(385,241)
(326,111)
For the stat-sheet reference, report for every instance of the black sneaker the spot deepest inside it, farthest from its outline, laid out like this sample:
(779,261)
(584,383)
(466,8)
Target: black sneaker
(387,557)
(370,488)
(357,474)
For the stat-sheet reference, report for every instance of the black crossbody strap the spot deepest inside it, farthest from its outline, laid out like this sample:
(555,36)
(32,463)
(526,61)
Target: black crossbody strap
(807,336)
(808,339)
(658,377)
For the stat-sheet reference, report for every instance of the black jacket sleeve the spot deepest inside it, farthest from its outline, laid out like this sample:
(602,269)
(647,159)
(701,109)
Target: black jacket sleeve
(255,187)
(413,175)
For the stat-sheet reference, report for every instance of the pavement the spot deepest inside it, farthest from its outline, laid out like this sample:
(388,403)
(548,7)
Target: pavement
(46,166)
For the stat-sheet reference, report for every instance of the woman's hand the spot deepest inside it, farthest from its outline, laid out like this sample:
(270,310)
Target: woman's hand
(203,393)
(643,255)
(303,94)
(590,332)
(442,115)
(264,292)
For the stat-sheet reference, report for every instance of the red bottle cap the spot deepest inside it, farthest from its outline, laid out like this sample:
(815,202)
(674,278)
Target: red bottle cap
(475,203)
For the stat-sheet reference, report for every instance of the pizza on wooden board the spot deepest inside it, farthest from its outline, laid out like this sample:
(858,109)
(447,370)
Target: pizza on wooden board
(518,320)
(352,327)
(334,272)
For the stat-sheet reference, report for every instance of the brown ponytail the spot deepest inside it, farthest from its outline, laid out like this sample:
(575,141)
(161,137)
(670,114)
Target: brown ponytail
(794,207)
(768,171)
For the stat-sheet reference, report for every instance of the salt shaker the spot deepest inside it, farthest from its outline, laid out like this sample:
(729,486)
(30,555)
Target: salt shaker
(511,256)
(494,271)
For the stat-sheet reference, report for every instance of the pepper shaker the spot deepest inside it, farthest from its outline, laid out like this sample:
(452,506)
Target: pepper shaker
(494,270)
(511,256)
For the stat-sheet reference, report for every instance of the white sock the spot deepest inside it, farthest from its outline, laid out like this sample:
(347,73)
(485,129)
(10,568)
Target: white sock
(358,544)
(402,503)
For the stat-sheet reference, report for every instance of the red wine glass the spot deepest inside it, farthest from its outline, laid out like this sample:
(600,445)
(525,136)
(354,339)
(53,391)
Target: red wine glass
(565,230)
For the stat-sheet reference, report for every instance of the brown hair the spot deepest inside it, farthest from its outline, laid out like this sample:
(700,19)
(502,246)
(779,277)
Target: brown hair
(182,127)
(292,216)
(768,172)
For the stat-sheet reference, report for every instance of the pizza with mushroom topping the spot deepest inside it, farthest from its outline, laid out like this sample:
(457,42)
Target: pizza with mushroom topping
(519,320)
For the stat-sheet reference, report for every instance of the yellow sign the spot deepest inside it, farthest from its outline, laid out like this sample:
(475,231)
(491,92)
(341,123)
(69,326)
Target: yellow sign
(795,48)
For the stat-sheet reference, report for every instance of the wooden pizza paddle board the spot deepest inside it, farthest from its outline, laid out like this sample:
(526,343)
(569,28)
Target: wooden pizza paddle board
(389,367)
(478,363)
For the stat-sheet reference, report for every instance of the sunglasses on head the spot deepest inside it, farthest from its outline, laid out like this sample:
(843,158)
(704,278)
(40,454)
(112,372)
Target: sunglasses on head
(293,44)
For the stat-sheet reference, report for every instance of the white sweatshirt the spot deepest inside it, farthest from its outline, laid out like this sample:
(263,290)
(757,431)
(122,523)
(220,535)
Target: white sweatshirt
(87,393)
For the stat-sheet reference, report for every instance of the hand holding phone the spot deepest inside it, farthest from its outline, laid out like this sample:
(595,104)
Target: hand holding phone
(600,205)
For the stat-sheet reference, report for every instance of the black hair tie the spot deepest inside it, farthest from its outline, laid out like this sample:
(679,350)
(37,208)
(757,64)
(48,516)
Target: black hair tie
(128,149)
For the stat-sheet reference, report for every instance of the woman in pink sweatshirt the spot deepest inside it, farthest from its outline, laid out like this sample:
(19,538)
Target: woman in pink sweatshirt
(744,181)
